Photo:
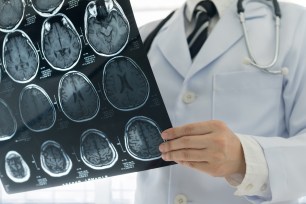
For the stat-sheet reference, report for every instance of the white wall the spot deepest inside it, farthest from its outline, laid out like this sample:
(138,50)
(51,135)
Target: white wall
(149,10)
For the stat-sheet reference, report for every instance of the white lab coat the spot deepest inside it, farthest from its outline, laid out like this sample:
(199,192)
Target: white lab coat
(271,108)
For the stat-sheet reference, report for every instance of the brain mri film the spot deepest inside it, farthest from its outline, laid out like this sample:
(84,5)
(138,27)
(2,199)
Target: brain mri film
(36,108)
(20,58)
(54,159)
(96,150)
(11,14)
(16,168)
(8,124)
(125,85)
(78,97)
(142,139)
(47,8)
(61,44)
(107,29)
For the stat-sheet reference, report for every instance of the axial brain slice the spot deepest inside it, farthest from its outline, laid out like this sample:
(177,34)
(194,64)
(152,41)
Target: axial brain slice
(11,14)
(142,139)
(36,109)
(54,159)
(96,150)
(125,85)
(61,43)
(16,168)
(79,99)
(47,8)
(107,31)
(8,125)
(20,58)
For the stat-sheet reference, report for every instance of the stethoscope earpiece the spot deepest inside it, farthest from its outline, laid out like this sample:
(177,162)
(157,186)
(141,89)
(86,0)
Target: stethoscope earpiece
(285,71)
(247,61)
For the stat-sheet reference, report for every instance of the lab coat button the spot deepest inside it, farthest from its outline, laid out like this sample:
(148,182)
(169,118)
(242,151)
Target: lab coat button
(249,187)
(263,187)
(180,199)
(189,97)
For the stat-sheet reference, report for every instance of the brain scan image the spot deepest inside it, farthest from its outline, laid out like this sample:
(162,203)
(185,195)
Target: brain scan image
(8,124)
(142,138)
(47,8)
(20,58)
(61,44)
(16,168)
(54,159)
(36,108)
(11,14)
(78,97)
(107,29)
(125,85)
(97,152)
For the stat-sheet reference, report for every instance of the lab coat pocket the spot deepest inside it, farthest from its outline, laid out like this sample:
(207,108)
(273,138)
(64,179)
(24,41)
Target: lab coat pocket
(248,101)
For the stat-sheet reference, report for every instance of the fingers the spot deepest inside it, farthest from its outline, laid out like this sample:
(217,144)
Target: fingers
(186,155)
(194,142)
(210,147)
(201,128)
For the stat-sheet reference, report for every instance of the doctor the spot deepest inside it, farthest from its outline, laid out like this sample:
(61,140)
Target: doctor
(240,132)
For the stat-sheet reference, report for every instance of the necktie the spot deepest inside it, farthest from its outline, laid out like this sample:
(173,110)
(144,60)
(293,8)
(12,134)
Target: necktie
(202,13)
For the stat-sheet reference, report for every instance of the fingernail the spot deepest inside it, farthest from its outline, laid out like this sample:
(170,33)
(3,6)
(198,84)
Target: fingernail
(164,157)
(164,135)
(161,148)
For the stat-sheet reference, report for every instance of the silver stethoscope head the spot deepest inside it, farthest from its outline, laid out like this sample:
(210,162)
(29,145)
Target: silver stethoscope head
(251,59)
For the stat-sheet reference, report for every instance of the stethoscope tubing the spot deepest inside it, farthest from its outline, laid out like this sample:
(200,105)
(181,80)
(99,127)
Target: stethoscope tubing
(252,60)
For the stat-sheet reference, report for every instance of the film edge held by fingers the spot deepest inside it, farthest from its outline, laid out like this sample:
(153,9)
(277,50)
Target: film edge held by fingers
(78,98)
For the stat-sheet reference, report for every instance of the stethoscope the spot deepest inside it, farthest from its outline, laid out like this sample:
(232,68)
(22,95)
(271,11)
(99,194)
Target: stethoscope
(251,59)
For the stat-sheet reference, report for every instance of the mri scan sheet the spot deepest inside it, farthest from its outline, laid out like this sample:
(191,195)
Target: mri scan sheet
(78,99)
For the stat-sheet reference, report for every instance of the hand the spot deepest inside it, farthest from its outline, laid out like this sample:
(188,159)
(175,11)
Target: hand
(210,147)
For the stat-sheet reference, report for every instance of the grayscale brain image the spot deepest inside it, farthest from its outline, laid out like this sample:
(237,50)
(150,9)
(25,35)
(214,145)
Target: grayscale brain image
(54,160)
(8,124)
(78,97)
(16,168)
(142,138)
(61,44)
(20,58)
(47,8)
(96,150)
(106,27)
(11,14)
(125,85)
(36,108)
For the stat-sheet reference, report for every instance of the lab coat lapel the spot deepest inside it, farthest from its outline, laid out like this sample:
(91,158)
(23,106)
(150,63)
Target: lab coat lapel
(225,34)
(173,44)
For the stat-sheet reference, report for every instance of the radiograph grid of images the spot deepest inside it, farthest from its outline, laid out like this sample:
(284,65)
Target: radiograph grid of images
(124,85)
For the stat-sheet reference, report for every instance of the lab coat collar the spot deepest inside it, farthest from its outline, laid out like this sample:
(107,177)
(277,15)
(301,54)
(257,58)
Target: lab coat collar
(175,51)
(225,34)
